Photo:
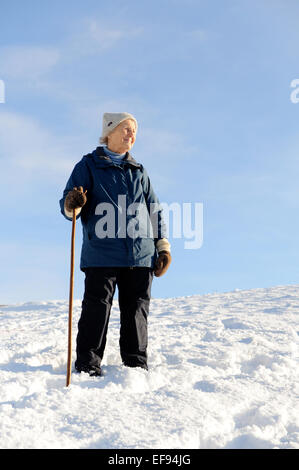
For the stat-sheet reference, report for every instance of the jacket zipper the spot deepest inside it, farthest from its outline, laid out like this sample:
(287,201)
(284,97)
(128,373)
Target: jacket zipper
(128,245)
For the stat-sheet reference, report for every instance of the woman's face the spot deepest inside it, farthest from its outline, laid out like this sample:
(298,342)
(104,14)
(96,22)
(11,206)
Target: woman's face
(123,137)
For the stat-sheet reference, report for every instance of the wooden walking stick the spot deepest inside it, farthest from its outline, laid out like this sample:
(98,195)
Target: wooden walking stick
(69,353)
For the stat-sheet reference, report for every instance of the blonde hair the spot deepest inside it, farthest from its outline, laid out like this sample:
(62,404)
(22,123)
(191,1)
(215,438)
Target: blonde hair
(103,141)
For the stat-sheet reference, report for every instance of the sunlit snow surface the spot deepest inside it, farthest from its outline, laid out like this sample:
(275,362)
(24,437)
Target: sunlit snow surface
(223,373)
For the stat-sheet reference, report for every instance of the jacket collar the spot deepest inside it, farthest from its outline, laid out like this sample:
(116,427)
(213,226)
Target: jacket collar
(102,160)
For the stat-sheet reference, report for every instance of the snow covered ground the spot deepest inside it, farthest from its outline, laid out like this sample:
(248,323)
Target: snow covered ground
(223,374)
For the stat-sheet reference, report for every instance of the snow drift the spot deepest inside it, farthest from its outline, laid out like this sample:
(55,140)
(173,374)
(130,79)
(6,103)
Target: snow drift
(223,373)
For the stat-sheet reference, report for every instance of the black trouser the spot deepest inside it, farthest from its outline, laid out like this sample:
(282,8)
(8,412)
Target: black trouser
(134,291)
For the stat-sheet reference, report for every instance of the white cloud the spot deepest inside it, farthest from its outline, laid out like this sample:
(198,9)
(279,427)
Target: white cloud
(27,148)
(197,35)
(164,145)
(27,62)
(95,37)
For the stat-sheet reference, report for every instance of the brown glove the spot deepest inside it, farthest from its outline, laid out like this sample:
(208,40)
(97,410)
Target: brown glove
(75,198)
(162,263)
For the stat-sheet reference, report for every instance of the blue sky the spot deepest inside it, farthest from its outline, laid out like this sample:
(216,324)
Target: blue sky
(209,82)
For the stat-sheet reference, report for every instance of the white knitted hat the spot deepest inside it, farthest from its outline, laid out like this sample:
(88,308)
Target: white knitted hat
(111,121)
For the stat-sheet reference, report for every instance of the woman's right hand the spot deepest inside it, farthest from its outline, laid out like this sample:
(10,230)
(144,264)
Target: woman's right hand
(75,198)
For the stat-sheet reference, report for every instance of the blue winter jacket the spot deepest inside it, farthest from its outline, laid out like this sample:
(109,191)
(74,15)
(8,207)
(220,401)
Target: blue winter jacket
(122,219)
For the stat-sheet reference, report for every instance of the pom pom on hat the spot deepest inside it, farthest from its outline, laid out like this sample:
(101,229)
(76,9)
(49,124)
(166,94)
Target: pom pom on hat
(111,121)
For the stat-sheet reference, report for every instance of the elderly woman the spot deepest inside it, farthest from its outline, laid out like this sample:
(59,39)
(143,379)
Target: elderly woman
(124,243)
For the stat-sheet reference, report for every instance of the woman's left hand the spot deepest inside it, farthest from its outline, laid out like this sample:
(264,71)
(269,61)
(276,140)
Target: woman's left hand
(162,263)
